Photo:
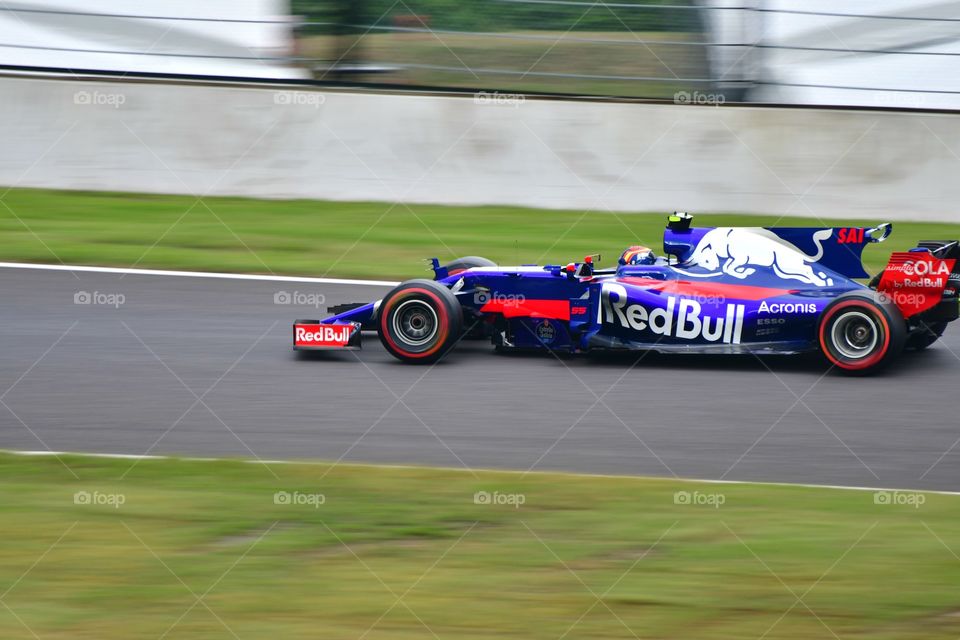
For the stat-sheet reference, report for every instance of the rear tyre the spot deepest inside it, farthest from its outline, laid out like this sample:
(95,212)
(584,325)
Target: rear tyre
(419,321)
(926,336)
(468,262)
(860,335)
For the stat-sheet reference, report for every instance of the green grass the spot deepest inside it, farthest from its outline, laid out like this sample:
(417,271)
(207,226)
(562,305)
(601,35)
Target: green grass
(620,53)
(609,557)
(363,239)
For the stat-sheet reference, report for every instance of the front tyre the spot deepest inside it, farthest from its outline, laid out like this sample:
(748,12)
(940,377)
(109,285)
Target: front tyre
(859,334)
(468,262)
(419,321)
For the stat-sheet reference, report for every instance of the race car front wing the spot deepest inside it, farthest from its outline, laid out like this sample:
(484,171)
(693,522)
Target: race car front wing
(314,335)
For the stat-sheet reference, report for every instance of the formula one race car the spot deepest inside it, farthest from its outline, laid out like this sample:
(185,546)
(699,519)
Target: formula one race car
(718,290)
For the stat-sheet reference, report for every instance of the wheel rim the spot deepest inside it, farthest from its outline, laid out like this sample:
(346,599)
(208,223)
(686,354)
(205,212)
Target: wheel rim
(855,335)
(415,322)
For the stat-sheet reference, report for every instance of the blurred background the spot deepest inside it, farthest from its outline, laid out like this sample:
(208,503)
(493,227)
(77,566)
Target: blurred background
(419,101)
(889,53)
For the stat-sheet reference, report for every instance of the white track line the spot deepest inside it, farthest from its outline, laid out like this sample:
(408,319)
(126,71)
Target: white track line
(379,283)
(129,456)
(191,274)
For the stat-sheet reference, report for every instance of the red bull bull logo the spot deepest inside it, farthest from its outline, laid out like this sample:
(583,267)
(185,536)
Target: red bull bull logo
(738,251)
(680,318)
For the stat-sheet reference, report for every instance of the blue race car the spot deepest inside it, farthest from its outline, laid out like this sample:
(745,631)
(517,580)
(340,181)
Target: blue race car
(721,290)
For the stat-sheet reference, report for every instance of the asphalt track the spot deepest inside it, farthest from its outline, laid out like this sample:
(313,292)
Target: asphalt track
(203,367)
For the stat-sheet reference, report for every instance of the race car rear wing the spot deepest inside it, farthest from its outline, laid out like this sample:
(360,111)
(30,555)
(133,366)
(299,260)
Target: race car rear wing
(916,281)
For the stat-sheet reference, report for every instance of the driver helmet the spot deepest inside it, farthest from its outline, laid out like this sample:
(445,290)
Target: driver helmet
(637,255)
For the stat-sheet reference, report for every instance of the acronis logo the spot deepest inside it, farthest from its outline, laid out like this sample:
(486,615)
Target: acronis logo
(681,318)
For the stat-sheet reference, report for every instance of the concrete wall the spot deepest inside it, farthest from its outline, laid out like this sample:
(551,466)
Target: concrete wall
(578,155)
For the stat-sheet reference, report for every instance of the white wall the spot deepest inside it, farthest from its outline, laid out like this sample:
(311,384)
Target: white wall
(578,155)
(241,38)
(924,73)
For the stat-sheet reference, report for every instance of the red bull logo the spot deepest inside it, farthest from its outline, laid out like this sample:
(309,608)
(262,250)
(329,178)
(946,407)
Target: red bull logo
(681,318)
(738,251)
(322,335)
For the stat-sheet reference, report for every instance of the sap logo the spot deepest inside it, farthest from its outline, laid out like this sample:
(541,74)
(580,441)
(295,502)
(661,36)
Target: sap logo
(736,251)
(787,307)
(855,235)
(684,321)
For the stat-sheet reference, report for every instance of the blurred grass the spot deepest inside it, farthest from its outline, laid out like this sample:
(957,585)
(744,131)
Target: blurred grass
(498,16)
(362,239)
(598,557)
(598,53)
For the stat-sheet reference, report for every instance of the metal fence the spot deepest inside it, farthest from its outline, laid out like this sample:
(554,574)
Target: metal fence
(693,50)
(639,49)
